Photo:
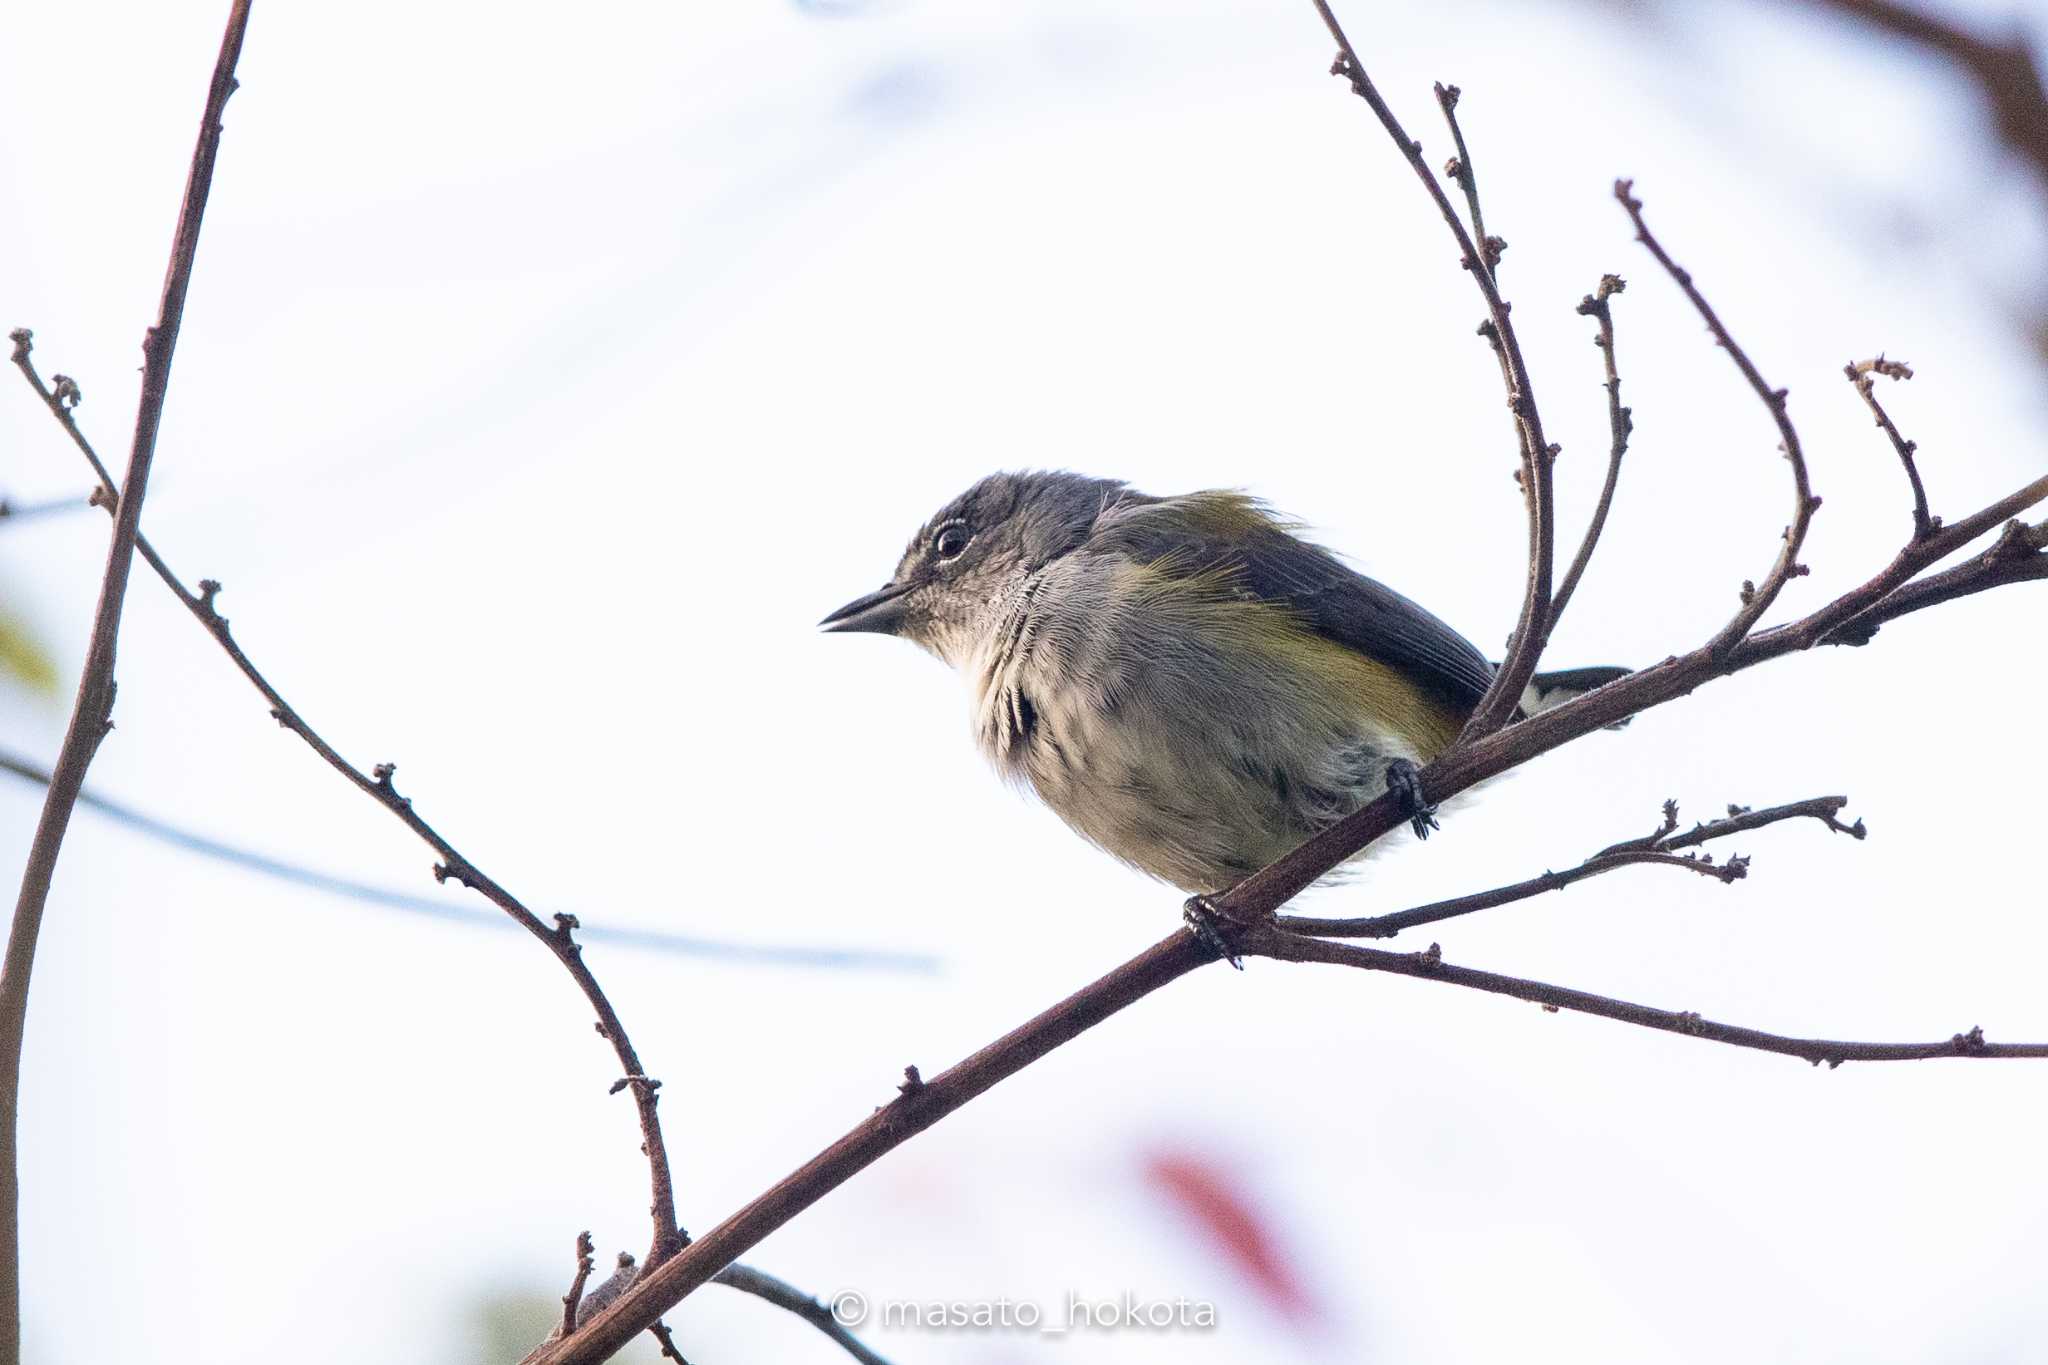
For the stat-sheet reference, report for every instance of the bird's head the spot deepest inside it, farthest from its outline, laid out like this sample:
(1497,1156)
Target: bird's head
(973,552)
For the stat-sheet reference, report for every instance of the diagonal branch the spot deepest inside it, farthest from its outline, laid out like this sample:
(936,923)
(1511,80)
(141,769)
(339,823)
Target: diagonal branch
(1659,848)
(92,712)
(2019,555)
(1241,910)
(1755,600)
(377,785)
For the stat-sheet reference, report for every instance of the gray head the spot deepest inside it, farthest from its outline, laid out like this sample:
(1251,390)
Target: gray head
(972,552)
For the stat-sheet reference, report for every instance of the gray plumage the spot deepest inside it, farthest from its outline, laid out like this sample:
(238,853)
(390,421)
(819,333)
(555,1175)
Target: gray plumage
(1185,681)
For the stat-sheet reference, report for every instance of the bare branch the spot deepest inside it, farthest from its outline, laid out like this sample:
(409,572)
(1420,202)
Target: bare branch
(1525,649)
(1657,849)
(910,1112)
(1460,169)
(1742,819)
(661,1334)
(1755,600)
(586,1261)
(1428,965)
(378,786)
(92,712)
(1620,424)
(1860,374)
(2019,555)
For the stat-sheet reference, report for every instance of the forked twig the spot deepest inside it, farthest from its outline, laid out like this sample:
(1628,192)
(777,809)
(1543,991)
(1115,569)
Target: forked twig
(1660,848)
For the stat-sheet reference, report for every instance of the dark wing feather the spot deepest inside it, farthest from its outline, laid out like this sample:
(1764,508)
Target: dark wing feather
(1207,531)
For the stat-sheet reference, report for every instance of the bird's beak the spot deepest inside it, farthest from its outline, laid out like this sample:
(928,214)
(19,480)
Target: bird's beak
(880,611)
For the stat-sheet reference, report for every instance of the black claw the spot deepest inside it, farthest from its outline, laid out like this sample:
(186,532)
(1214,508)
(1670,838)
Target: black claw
(1207,927)
(1404,779)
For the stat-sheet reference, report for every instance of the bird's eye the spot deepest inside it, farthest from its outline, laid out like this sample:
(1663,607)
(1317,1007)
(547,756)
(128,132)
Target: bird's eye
(950,541)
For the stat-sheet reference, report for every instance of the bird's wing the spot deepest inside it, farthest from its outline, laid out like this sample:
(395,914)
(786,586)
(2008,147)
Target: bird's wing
(1212,531)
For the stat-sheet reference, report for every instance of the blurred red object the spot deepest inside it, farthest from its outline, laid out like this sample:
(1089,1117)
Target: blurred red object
(1231,1222)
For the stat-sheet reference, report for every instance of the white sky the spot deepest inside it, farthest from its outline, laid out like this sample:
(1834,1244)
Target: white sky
(546,378)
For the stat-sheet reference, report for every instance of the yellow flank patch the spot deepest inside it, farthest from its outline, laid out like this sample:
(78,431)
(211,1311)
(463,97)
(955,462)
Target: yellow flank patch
(1210,604)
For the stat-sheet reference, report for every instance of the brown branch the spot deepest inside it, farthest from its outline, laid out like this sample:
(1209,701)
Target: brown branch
(788,1297)
(914,1109)
(1525,649)
(1428,965)
(586,1261)
(92,712)
(1460,169)
(919,1106)
(1657,849)
(1755,600)
(377,785)
(1860,374)
(2019,555)
(661,1334)
(1620,425)
(1742,819)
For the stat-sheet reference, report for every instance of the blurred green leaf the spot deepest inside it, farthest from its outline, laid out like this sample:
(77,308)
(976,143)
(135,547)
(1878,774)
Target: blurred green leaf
(23,657)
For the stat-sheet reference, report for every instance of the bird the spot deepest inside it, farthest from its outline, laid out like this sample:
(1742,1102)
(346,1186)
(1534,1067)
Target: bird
(1188,682)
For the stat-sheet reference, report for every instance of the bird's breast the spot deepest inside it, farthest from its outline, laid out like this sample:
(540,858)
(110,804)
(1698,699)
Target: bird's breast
(1194,738)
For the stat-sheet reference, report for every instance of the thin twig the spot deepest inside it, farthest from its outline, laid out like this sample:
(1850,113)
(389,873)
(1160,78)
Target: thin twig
(1620,425)
(92,712)
(1756,600)
(1429,965)
(661,1334)
(1860,374)
(377,785)
(788,1297)
(1525,649)
(1657,849)
(1460,169)
(586,1261)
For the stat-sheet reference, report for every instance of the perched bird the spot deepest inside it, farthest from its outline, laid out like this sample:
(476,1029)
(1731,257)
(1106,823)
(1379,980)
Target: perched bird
(1187,682)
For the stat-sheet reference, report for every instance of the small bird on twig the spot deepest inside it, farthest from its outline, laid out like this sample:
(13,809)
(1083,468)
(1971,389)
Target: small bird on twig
(1185,681)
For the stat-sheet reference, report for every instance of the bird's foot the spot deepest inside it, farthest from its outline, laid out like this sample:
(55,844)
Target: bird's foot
(1209,929)
(1404,780)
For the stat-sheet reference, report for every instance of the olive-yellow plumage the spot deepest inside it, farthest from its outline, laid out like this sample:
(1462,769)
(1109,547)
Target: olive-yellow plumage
(1185,681)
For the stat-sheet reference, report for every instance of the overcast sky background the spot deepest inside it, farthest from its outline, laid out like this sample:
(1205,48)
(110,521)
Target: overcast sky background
(547,375)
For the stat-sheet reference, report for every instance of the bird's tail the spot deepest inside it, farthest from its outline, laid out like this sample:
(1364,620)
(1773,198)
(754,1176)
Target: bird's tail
(1546,690)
